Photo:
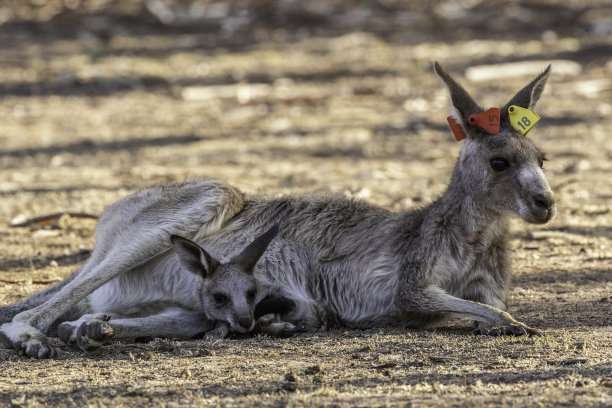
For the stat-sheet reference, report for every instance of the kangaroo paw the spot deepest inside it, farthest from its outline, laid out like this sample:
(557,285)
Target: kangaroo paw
(270,325)
(219,332)
(27,339)
(67,331)
(91,335)
(517,329)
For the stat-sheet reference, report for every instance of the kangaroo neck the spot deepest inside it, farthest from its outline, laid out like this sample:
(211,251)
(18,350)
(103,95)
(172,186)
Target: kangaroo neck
(460,212)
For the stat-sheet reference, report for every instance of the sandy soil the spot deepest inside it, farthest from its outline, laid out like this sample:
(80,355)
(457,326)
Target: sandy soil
(100,98)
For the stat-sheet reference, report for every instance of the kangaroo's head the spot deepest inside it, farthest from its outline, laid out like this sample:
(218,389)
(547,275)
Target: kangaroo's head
(228,290)
(504,170)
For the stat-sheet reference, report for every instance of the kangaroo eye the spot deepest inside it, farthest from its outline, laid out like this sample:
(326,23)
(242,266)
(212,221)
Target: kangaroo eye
(220,299)
(499,164)
(541,162)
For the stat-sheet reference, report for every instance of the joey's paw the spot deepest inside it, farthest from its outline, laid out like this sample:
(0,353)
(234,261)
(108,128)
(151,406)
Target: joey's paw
(93,334)
(27,340)
(219,332)
(67,331)
(271,325)
(285,329)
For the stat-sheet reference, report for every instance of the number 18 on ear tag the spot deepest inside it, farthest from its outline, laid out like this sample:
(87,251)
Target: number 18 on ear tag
(522,119)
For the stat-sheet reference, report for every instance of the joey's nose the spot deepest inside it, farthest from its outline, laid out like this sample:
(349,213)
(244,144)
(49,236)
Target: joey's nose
(545,200)
(245,321)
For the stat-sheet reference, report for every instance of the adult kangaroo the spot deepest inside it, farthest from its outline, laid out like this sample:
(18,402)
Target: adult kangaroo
(345,262)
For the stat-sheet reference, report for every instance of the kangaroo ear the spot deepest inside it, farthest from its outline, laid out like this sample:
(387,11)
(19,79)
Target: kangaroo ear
(249,257)
(194,258)
(463,103)
(529,95)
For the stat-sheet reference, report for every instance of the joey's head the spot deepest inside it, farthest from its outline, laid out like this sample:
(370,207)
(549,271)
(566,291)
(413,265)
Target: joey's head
(499,166)
(228,290)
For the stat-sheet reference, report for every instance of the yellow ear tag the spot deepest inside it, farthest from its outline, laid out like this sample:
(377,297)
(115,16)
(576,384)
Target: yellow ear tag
(522,119)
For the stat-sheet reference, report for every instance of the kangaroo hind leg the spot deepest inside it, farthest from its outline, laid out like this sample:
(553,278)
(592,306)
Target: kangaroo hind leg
(130,233)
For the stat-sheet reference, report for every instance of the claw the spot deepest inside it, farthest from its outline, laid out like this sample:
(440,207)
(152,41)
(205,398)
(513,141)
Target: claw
(481,331)
(513,329)
(533,332)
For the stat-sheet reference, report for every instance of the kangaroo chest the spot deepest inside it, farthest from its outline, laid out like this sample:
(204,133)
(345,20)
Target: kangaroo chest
(464,268)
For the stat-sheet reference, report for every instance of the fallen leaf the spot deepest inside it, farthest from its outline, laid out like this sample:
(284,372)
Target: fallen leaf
(386,365)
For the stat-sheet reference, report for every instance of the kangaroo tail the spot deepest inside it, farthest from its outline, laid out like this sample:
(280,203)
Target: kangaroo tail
(9,311)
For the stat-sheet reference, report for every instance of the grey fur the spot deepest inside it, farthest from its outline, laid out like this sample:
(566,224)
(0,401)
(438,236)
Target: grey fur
(343,262)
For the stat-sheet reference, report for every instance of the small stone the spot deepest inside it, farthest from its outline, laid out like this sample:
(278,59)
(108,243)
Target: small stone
(317,379)
(290,377)
(203,353)
(416,363)
(289,386)
(315,369)
(46,233)
(186,373)
(145,355)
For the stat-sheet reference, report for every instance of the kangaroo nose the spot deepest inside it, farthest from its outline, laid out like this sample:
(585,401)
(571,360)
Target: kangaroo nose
(546,200)
(245,321)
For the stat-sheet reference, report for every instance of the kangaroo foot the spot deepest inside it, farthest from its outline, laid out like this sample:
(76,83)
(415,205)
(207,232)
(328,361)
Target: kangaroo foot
(271,325)
(27,339)
(90,332)
(515,329)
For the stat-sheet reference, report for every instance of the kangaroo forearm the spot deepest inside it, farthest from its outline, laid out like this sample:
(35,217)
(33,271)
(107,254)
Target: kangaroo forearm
(434,300)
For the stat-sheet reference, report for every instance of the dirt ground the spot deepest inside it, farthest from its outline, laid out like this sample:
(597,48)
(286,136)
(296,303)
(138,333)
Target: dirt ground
(101,97)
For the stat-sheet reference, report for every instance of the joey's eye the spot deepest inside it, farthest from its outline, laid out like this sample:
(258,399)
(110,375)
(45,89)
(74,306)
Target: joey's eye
(220,299)
(499,164)
(251,295)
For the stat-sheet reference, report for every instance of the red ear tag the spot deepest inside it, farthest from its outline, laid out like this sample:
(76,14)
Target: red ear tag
(456,128)
(487,120)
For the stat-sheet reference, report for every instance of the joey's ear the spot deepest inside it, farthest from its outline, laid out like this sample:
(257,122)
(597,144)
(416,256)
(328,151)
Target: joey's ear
(462,102)
(529,95)
(248,258)
(194,258)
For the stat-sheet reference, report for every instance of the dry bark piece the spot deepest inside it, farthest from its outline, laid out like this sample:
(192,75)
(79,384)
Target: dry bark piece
(50,219)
